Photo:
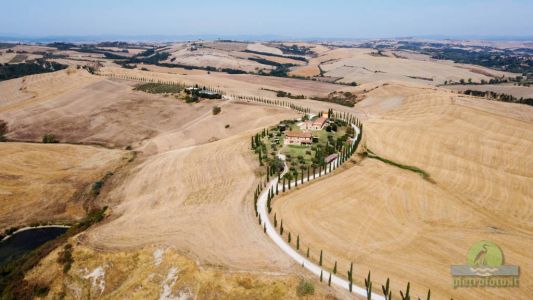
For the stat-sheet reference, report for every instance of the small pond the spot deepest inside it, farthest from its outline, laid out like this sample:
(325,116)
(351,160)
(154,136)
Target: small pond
(24,241)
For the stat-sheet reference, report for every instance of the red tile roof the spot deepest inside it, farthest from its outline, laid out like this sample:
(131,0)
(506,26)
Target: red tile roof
(319,121)
(299,134)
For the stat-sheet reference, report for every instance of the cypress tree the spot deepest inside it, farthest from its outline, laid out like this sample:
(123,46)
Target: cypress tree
(335,268)
(320,260)
(320,275)
(406,296)
(265,228)
(329,280)
(283,187)
(307,252)
(289,238)
(368,286)
(281,228)
(350,278)
(277,188)
(298,242)
(275,221)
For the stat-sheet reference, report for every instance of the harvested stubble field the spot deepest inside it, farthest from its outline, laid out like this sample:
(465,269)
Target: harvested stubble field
(41,183)
(354,64)
(396,224)
(189,195)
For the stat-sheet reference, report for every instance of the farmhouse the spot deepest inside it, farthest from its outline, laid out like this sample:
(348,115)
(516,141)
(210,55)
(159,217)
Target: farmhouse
(203,93)
(298,138)
(316,124)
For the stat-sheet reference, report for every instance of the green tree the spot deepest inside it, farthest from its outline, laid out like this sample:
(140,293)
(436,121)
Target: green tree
(368,287)
(350,277)
(49,139)
(406,296)
(386,290)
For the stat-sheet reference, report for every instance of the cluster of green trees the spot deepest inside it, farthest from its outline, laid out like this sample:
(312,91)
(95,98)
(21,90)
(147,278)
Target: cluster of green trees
(345,99)
(499,97)
(283,94)
(483,81)
(160,88)
(38,66)
(295,49)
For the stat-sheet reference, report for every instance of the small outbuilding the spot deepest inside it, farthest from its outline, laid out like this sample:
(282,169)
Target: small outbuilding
(331,158)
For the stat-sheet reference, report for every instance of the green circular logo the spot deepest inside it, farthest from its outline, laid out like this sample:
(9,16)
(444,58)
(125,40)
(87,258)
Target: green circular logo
(485,253)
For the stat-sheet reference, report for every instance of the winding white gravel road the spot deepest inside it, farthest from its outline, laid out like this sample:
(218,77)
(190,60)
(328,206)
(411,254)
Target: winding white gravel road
(301,260)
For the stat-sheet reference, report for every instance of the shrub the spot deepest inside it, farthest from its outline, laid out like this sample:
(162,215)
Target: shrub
(191,99)
(49,139)
(3,130)
(97,186)
(41,291)
(65,258)
(227,126)
(305,288)
(216,110)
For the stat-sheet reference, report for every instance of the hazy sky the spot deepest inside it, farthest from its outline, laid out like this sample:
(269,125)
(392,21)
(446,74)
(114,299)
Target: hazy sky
(290,18)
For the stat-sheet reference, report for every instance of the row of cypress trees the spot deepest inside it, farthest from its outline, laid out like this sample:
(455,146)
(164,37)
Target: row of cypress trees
(274,102)
(168,82)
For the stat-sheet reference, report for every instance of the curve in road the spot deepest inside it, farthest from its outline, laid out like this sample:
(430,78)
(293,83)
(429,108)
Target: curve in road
(301,260)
